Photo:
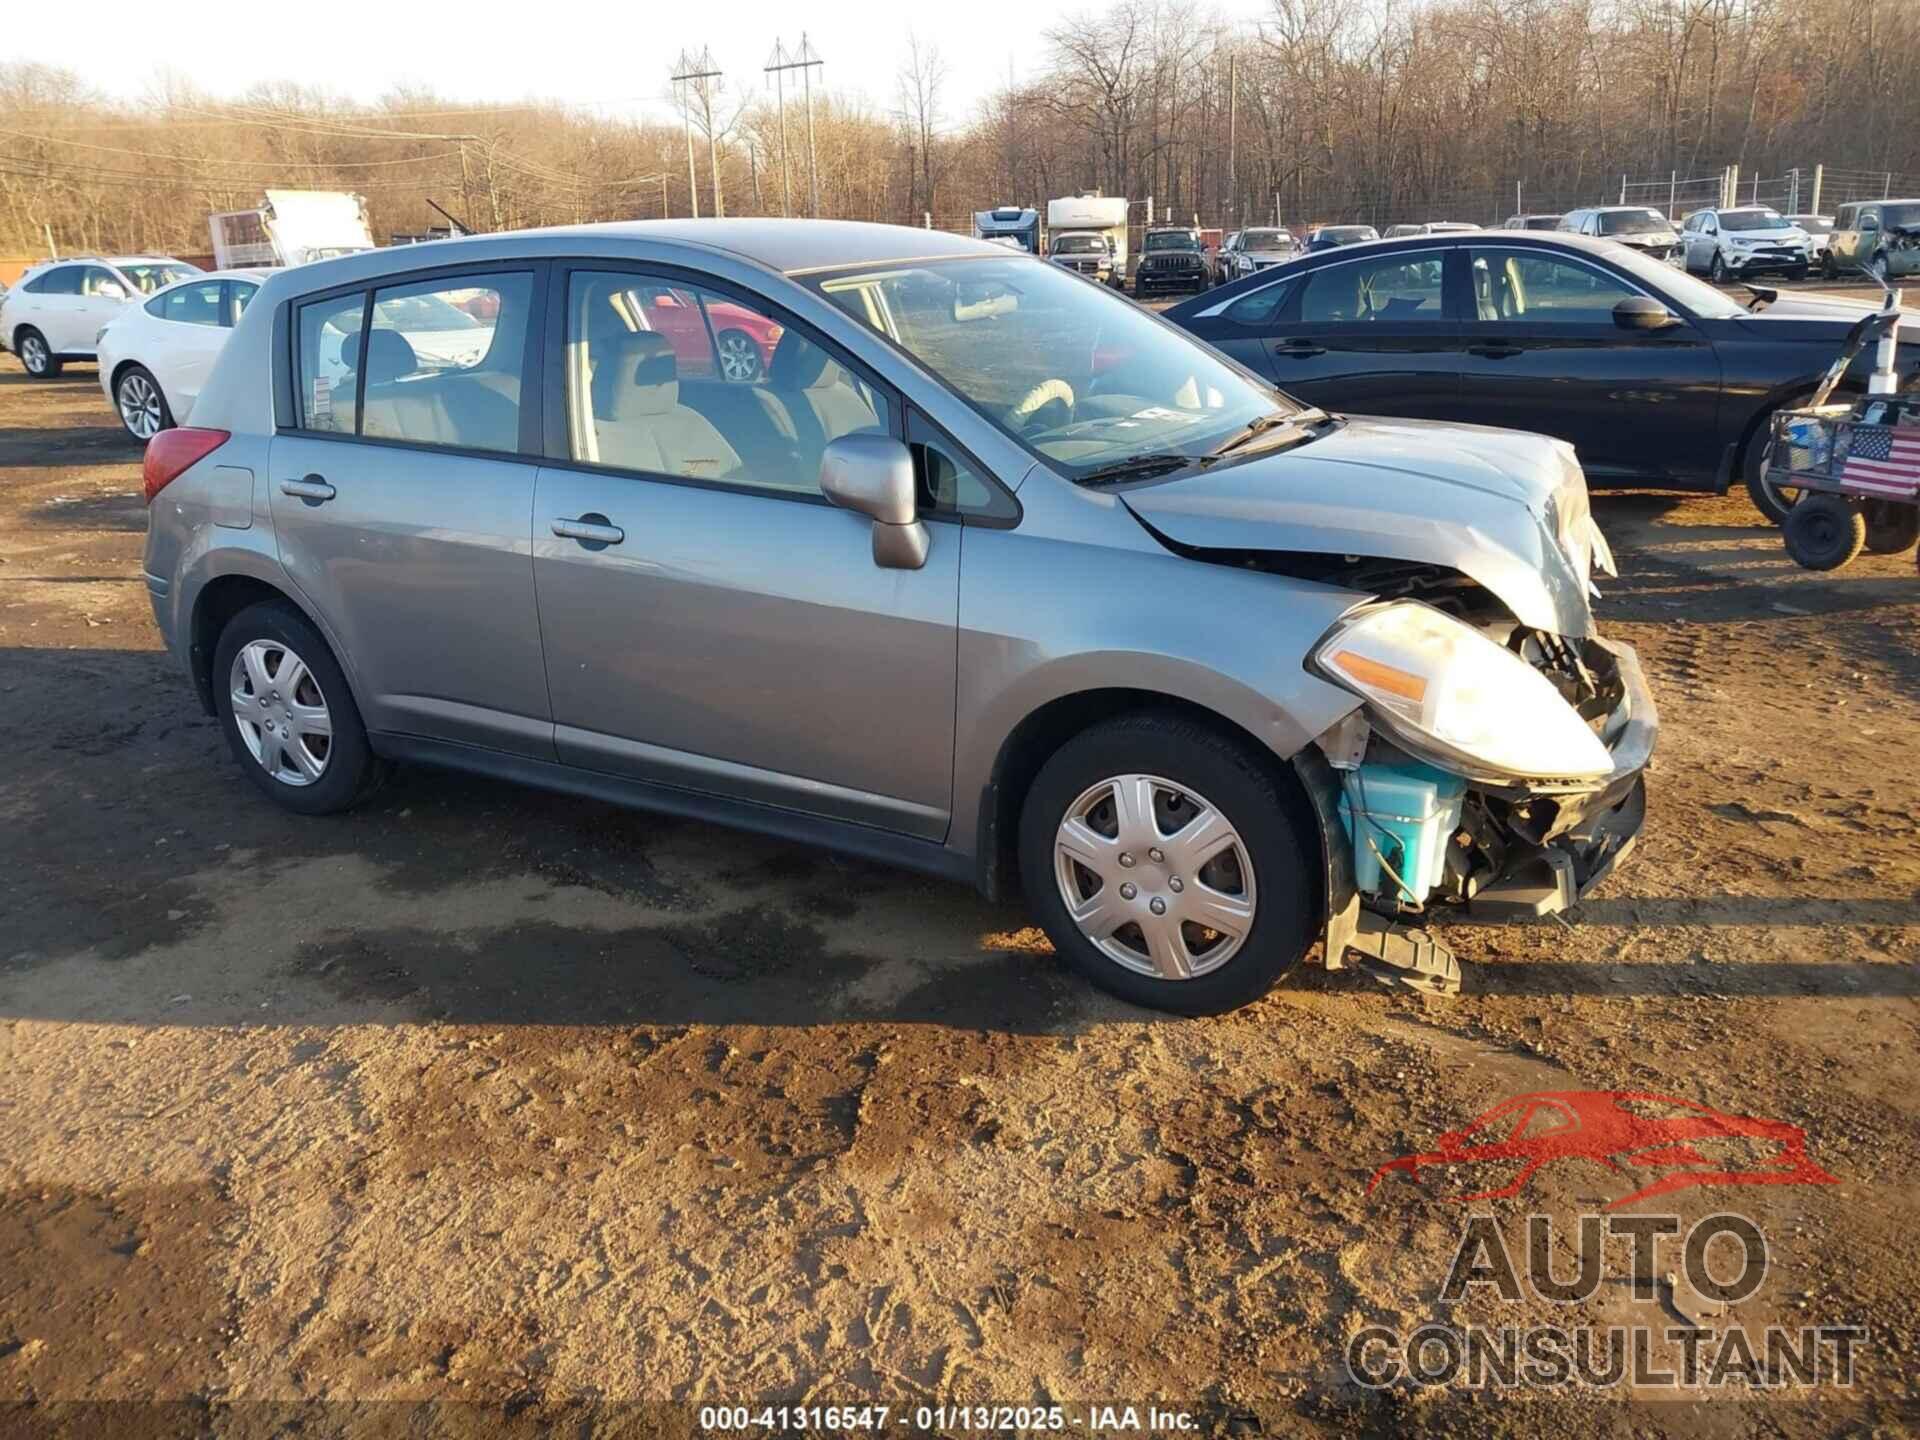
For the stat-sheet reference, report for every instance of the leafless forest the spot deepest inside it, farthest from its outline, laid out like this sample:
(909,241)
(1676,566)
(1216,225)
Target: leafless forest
(1320,109)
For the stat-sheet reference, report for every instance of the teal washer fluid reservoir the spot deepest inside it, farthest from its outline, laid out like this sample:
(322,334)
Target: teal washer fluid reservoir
(1409,811)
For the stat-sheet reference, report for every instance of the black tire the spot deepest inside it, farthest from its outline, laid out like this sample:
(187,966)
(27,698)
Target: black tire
(1891,526)
(36,356)
(1825,532)
(1774,506)
(167,422)
(1717,269)
(1827,271)
(1799,272)
(352,771)
(1284,855)
(1877,267)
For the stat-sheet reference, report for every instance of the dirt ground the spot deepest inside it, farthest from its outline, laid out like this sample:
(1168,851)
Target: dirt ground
(484,1095)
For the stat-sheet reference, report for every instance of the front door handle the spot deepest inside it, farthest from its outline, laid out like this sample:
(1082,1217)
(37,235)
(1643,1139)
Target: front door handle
(311,487)
(1299,350)
(1494,352)
(589,529)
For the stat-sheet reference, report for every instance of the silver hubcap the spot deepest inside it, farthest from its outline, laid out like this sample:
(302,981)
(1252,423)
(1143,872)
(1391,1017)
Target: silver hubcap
(280,712)
(33,353)
(140,406)
(1155,876)
(739,360)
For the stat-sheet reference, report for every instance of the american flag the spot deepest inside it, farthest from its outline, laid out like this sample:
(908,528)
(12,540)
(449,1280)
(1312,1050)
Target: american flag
(1883,460)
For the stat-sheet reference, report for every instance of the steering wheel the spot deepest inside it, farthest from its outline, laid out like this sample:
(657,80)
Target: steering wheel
(1041,397)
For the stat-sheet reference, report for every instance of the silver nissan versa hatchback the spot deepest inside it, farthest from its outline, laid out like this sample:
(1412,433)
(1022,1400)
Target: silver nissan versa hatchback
(917,548)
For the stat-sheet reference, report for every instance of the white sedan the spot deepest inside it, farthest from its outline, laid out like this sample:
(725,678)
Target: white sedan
(155,356)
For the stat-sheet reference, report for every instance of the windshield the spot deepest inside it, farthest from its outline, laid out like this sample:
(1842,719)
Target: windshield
(1752,220)
(1813,224)
(1080,376)
(1172,240)
(1663,279)
(1079,245)
(1265,240)
(1900,217)
(148,277)
(1634,222)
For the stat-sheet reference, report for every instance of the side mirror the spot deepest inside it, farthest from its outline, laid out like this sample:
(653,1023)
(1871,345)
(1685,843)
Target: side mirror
(1639,312)
(111,290)
(873,475)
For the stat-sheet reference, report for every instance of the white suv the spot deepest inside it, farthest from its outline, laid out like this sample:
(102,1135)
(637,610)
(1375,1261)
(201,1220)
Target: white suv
(56,312)
(1745,240)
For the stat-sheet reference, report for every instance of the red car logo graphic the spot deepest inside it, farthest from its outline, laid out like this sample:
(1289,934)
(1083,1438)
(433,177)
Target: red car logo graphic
(1624,1130)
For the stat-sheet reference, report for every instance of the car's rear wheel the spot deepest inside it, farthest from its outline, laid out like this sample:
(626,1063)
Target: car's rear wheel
(1166,865)
(739,357)
(1891,526)
(35,354)
(143,409)
(290,718)
(1825,532)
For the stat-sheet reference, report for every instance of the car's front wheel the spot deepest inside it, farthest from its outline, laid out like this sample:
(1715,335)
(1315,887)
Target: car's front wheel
(143,409)
(35,354)
(290,718)
(1167,866)
(1717,269)
(1877,268)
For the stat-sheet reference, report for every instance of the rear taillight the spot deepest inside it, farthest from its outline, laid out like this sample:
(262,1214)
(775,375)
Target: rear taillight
(172,452)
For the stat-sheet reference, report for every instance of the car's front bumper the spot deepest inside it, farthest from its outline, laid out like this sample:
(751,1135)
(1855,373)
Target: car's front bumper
(1739,264)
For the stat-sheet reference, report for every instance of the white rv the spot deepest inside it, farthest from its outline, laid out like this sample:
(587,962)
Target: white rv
(293,227)
(1072,218)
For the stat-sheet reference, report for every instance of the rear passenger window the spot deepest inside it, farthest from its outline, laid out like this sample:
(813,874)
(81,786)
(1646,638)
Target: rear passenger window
(679,380)
(441,363)
(1392,288)
(444,361)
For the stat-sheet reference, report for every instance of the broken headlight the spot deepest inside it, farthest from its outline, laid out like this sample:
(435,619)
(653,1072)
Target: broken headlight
(1453,696)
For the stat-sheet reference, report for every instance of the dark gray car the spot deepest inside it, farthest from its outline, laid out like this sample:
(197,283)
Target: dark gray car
(980,570)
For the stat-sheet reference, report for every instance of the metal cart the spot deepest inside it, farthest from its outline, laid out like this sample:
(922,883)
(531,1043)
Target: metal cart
(1857,464)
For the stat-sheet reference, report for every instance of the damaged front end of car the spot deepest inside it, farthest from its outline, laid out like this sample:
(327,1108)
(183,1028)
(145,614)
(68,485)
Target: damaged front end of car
(1415,820)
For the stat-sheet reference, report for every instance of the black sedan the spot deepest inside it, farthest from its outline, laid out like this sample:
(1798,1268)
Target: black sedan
(1656,378)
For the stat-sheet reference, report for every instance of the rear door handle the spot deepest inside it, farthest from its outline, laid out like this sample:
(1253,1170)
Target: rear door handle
(311,487)
(1494,352)
(1299,351)
(589,529)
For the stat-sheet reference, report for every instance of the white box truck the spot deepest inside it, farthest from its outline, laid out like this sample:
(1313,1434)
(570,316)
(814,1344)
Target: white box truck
(293,227)
(1074,222)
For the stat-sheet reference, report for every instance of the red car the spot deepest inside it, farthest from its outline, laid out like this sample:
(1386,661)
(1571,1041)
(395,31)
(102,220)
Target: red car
(1623,1130)
(737,340)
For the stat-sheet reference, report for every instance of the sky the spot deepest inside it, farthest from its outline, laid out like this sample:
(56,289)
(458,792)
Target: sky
(615,58)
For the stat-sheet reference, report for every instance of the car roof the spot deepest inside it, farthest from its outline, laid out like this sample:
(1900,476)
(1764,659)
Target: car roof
(1546,239)
(789,246)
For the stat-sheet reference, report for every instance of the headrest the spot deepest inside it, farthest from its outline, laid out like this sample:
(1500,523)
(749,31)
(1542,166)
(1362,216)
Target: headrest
(798,364)
(634,373)
(389,356)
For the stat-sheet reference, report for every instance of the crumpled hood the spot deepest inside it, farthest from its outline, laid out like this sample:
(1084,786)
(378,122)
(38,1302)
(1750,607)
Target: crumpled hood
(1470,498)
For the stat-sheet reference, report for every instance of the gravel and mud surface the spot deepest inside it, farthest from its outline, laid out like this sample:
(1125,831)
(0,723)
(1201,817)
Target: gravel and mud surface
(486,1095)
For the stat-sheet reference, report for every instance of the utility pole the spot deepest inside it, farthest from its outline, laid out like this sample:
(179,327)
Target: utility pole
(691,69)
(1233,140)
(805,59)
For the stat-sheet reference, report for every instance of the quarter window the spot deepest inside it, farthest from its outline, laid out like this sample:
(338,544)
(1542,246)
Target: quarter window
(1260,307)
(1509,285)
(679,380)
(329,359)
(192,304)
(1394,289)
